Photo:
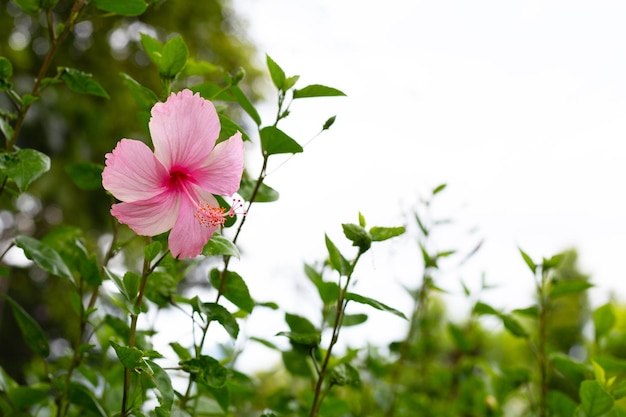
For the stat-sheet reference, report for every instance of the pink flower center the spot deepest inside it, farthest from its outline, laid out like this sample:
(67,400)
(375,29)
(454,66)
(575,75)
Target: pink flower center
(210,216)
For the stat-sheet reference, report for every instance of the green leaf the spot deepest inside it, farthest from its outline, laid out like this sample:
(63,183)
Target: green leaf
(220,245)
(229,128)
(29,6)
(207,370)
(566,287)
(6,128)
(595,401)
(233,288)
(532,311)
(131,358)
(121,7)
(439,188)
(161,288)
(216,312)
(44,256)
(276,72)
(484,309)
(336,259)
(81,82)
(33,333)
(459,337)
(328,123)
(24,166)
(131,284)
(603,320)
(383,233)
(529,261)
(152,250)
(82,396)
(358,236)
(25,397)
(345,374)
(306,339)
(144,97)
(86,175)
(163,385)
(362,222)
(153,48)
(374,303)
(560,404)
(275,141)
(353,319)
(173,57)
(246,104)
(513,326)
(316,90)
(265,194)
(299,324)
(182,353)
(6,69)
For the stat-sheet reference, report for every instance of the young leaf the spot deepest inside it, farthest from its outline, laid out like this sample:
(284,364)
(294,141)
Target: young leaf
(153,48)
(121,7)
(219,245)
(233,288)
(529,261)
(316,90)
(33,333)
(328,123)
(358,236)
(374,303)
(275,141)
(24,166)
(603,320)
(86,175)
(336,259)
(276,72)
(383,233)
(439,188)
(595,401)
(44,256)
(81,82)
(173,57)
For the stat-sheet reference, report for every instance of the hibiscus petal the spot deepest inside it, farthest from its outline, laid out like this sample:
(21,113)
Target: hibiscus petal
(149,217)
(188,236)
(132,173)
(222,172)
(184,130)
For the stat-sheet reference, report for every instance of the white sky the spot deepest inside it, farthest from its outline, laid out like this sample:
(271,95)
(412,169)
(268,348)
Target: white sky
(519,106)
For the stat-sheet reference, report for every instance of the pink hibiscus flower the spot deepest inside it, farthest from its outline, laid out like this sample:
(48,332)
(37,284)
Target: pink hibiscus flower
(173,187)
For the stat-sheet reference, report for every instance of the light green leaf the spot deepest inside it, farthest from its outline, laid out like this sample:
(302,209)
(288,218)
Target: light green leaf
(153,48)
(566,287)
(121,7)
(374,303)
(595,401)
(44,256)
(86,175)
(220,245)
(144,97)
(81,82)
(277,73)
(265,194)
(529,261)
(173,57)
(152,250)
(336,259)
(275,141)
(513,326)
(383,233)
(24,166)
(33,333)
(316,90)
(246,104)
(603,320)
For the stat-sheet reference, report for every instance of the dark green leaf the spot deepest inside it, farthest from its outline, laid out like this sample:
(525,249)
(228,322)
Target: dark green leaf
(275,141)
(86,175)
(532,311)
(131,284)
(219,245)
(207,370)
(182,353)
(529,261)
(358,236)
(163,385)
(595,401)
(230,128)
(566,287)
(29,6)
(153,48)
(439,188)
(560,404)
(24,166)
(384,233)
(299,324)
(276,72)
(328,123)
(173,57)
(131,358)
(233,288)
(353,319)
(374,303)
(33,334)
(122,7)
(26,397)
(6,69)
(484,309)
(345,374)
(603,320)
(513,326)
(152,250)
(265,194)
(336,259)
(216,312)
(160,288)
(246,104)
(316,90)
(83,397)
(296,361)
(44,256)
(82,82)
(306,339)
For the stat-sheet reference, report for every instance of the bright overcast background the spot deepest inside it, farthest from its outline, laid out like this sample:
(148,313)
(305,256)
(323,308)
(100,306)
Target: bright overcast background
(520,107)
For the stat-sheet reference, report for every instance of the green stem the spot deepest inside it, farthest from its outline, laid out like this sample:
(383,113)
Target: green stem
(340,309)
